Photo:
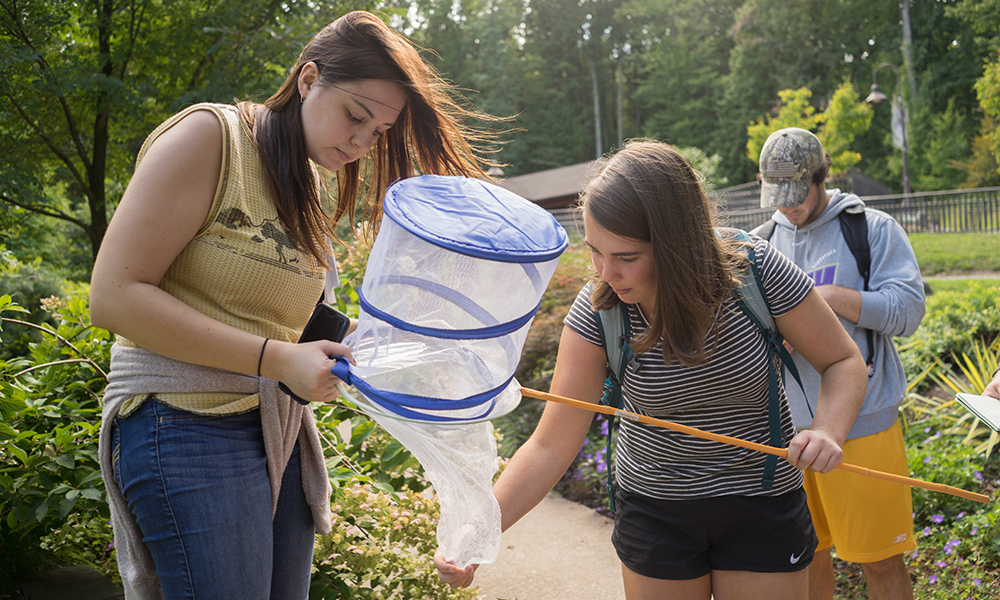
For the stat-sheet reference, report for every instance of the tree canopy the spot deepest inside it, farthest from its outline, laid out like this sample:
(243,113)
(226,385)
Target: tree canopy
(82,84)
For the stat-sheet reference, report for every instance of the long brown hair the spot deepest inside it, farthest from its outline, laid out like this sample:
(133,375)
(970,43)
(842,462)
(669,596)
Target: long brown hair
(429,135)
(648,192)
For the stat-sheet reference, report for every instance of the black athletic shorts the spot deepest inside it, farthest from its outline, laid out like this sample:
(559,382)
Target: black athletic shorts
(686,539)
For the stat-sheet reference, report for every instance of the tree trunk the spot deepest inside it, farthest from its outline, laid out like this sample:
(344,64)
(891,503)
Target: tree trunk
(597,111)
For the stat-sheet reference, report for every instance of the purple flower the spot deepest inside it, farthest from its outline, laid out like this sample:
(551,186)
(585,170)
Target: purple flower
(914,555)
(977,581)
(604,428)
(926,531)
(927,429)
(978,476)
(941,563)
(937,519)
(974,530)
(927,459)
(601,467)
(960,515)
(932,580)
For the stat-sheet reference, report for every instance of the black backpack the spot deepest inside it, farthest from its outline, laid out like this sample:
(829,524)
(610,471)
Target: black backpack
(854,226)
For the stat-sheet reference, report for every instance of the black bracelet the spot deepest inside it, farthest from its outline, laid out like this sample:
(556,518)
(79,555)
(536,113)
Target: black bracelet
(261,358)
(995,370)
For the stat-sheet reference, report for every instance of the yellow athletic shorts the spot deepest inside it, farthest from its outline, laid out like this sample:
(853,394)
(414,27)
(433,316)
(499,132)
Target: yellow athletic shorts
(866,519)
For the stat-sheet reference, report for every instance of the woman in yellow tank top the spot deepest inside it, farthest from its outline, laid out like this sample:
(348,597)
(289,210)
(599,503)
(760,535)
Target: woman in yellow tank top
(209,270)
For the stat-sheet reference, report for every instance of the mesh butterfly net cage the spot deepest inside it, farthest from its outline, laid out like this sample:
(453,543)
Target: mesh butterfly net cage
(453,281)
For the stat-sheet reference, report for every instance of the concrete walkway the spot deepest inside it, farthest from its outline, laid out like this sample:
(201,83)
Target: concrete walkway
(561,550)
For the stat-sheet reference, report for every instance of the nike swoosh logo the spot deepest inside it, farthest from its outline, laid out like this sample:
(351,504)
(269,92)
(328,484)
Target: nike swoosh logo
(794,559)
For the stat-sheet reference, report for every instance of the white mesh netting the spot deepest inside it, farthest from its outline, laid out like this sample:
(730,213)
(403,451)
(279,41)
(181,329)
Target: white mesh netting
(440,334)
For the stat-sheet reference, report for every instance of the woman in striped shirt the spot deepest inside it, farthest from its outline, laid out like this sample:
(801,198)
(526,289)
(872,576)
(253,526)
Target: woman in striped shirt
(693,519)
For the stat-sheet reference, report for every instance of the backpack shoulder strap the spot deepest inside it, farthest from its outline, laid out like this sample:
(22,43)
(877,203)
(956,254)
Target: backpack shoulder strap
(854,226)
(767,229)
(616,330)
(752,301)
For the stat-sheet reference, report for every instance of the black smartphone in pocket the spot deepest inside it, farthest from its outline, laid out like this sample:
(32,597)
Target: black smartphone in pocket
(326,323)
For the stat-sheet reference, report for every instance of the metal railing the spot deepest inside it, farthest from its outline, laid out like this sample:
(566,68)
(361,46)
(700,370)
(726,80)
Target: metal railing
(568,218)
(923,212)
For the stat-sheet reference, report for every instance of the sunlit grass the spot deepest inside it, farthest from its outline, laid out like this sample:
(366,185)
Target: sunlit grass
(956,253)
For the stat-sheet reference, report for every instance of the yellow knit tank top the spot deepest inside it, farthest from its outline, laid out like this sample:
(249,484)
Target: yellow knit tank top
(242,268)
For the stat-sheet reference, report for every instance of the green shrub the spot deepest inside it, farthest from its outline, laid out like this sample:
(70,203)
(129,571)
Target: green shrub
(49,426)
(85,538)
(49,423)
(954,321)
(382,547)
(28,284)
(959,539)
(51,417)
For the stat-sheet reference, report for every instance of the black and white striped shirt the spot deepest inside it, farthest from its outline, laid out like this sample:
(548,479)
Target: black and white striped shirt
(728,394)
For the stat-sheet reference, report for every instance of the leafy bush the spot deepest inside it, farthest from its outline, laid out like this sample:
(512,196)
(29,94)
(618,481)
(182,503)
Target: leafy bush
(955,320)
(959,540)
(49,423)
(975,372)
(27,284)
(586,479)
(85,538)
(382,546)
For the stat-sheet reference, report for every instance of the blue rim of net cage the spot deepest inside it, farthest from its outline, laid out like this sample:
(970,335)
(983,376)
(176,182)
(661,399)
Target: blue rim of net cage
(404,404)
(475,218)
(495,329)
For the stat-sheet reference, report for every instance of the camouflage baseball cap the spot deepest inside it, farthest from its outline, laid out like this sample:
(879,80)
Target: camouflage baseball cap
(790,158)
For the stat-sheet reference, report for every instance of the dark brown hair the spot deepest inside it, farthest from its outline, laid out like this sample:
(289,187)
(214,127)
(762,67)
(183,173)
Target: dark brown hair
(429,135)
(648,192)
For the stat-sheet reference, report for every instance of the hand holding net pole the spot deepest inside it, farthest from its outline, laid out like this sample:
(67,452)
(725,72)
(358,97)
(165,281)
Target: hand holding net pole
(725,439)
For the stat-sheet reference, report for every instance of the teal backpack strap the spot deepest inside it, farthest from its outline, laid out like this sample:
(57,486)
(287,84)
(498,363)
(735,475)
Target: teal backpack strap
(615,329)
(752,301)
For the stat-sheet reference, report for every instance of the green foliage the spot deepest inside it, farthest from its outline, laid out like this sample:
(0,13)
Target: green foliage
(83,87)
(935,455)
(706,167)
(680,49)
(959,539)
(983,164)
(49,423)
(944,151)
(53,509)
(381,547)
(988,92)
(357,450)
(51,418)
(27,284)
(954,322)
(85,538)
(794,110)
(974,372)
(843,120)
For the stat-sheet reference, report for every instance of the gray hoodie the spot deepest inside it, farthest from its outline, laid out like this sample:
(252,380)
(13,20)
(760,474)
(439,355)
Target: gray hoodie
(893,306)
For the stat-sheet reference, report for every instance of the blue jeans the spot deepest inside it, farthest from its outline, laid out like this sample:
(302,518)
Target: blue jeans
(199,490)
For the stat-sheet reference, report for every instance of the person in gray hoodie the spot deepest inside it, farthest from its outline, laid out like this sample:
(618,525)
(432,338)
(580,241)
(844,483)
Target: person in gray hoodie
(870,521)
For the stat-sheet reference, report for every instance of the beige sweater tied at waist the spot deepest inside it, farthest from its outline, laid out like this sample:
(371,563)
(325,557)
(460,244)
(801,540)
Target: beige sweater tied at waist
(139,371)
